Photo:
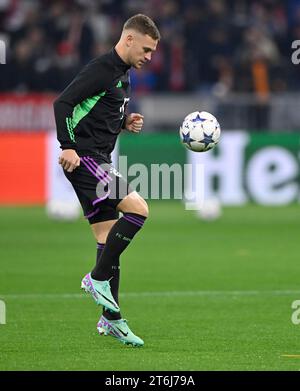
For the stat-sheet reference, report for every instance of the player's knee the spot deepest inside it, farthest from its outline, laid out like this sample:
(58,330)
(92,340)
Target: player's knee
(101,237)
(102,229)
(140,207)
(143,208)
(134,203)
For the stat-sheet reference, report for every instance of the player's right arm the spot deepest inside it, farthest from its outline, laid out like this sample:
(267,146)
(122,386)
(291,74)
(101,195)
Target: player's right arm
(89,82)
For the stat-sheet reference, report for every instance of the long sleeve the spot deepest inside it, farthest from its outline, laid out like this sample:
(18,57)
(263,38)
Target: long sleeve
(81,94)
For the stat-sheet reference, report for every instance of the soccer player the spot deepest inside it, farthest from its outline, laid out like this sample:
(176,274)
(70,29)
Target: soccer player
(90,114)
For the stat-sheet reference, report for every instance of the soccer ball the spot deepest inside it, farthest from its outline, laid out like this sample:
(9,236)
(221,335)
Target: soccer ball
(211,210)
(62,210)
(200,131)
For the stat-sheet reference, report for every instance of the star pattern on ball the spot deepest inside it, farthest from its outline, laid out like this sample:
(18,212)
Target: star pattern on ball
(208,138)
(198,118)
(187,139)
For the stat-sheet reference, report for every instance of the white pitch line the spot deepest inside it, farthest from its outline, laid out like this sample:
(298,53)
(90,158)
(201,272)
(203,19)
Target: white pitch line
(208,293)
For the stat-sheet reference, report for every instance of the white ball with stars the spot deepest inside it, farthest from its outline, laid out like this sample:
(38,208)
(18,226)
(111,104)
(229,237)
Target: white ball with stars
(200,131)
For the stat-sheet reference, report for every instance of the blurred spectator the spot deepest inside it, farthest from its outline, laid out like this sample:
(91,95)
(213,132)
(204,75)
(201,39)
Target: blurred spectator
(217,46)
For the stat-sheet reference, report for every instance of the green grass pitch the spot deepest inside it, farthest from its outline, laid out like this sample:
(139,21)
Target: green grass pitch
(203,296)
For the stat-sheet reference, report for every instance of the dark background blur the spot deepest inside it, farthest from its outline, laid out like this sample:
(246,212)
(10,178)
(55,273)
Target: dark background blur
(235,55)
(205,44)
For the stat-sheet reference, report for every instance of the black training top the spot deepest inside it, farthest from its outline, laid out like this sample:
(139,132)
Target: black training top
(90,112)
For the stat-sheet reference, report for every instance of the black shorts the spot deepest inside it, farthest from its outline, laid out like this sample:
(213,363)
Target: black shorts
(99,188)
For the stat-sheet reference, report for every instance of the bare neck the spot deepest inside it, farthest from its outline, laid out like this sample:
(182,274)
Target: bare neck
(121,52)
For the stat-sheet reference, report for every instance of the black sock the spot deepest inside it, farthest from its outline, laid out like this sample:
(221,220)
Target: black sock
(114,284)
(118,239)
(100,247)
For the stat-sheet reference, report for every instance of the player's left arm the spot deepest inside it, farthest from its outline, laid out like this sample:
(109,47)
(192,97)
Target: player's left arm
(134,122)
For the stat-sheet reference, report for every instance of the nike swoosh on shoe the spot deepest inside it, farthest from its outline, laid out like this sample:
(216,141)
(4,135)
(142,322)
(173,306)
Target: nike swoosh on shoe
(106,298)
(125,334)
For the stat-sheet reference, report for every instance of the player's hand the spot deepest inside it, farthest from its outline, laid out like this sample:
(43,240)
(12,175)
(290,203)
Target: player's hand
(134,122)
(69,160)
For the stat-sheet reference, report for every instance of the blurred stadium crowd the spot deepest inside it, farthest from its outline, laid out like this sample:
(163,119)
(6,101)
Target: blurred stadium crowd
(217,45)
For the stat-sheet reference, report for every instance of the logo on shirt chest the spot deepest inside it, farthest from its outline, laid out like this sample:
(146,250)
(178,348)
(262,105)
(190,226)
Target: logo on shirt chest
(118,95)
(123,107)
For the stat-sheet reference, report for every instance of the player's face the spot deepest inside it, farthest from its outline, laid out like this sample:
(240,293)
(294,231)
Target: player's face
(141,48)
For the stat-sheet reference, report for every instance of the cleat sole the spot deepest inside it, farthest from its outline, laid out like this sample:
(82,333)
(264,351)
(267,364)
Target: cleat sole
(101,331)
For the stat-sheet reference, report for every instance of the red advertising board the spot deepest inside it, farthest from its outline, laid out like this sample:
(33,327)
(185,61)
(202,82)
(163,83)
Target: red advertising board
(22,168)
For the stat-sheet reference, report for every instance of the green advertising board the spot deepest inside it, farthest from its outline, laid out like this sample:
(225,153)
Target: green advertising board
(245,167)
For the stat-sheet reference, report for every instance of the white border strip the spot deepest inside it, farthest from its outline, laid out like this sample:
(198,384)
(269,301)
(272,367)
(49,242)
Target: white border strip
(50,296)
